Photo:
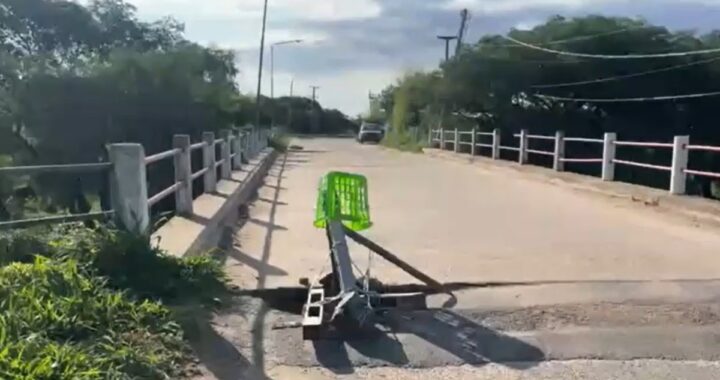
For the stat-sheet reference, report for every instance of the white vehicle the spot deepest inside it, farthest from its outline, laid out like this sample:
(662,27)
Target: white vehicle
(370,132)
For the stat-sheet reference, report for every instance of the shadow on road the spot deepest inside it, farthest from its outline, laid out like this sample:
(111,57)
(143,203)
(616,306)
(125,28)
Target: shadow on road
(445,331)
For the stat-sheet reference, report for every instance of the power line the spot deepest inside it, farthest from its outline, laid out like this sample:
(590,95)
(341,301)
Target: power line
(588,36)
(626,100)
(596,35)
(609,56)
(620,77)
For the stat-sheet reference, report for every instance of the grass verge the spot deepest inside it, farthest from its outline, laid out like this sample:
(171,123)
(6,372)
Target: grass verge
(79,303)
(402,141)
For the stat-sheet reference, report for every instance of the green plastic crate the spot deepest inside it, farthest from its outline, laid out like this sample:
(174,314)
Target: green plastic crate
(344,197)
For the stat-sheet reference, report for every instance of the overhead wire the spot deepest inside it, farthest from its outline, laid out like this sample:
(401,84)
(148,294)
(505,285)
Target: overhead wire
(627,100)
(610,56)
(627,76)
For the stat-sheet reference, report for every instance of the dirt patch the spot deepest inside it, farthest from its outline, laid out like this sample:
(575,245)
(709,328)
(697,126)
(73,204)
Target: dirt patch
(598,315)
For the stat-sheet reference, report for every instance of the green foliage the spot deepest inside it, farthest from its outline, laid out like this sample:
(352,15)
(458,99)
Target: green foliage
(77,303)
(402,140)
(490,84)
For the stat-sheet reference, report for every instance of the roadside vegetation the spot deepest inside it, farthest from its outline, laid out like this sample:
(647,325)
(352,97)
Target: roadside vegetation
(495,83)
(125,80)
(82,303)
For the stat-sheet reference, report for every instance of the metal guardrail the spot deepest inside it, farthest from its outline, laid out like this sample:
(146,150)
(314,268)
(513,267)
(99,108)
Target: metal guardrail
(127,171)
(678,169)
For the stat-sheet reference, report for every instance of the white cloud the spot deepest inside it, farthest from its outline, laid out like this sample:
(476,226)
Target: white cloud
(295,9)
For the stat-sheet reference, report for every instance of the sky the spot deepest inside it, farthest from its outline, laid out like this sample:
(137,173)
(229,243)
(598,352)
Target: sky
(353,47)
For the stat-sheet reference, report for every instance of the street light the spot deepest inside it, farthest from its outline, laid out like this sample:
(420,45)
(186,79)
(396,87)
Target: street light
(272,70)
(260,66)
(272,62)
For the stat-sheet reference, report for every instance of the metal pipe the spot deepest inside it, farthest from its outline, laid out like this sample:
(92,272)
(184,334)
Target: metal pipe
(702,173)
(54,220)
(164,194)
(541,152)
(97,167)
(644,144)
(642,165)
(709,148)
(161,156)
(583,139)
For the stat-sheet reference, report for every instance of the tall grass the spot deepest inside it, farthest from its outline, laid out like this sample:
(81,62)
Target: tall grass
(78,303)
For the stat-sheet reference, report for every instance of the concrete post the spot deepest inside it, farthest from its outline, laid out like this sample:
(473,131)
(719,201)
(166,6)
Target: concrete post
(456,142)
(473,141)
(210,177)
(608,166)
(226,167)
(237,149)
(496,144)
(442,138)
(183,175)
(559,155)
(522,154)
(128,187)
(678,177)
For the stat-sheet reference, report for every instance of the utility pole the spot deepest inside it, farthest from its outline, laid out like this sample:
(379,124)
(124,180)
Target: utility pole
(315,127)
(260,66)
(314,93)
(292,85)
(447,40)
(464,17)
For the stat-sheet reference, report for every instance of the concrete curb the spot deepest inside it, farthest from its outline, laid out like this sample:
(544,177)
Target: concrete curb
(200,233)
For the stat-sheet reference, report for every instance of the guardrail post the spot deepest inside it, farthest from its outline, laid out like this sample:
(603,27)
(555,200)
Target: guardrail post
(183,174)
(442,138)
(128,187)
(608,164)
(678,177)
(522,154)
(558,163)
(473,141)
(210,177)
(238,150)
(496,144)
(226,167)
(456,143)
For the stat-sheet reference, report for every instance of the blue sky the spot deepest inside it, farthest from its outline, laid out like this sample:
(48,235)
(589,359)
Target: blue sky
(352,47)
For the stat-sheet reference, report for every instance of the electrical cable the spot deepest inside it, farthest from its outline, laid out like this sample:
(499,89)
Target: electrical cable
(610,56)
(625,100)
(634,75)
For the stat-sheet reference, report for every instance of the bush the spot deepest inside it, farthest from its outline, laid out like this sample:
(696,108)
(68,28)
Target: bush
(402,141)
(80,303)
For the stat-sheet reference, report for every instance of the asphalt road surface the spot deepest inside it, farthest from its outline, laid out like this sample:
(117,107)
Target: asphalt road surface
(604,289)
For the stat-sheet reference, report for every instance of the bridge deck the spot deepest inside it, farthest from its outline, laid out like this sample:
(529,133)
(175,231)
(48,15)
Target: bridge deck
(460,223)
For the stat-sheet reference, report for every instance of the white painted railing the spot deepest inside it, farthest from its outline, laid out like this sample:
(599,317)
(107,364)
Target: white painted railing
(678,167)
(128,183)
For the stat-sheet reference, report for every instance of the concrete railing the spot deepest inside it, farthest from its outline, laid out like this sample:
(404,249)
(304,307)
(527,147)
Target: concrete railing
(678,167)
(129,196)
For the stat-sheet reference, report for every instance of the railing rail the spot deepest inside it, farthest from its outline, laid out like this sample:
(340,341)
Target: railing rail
(64,168)
(128,183)
(161,156)
(678,167)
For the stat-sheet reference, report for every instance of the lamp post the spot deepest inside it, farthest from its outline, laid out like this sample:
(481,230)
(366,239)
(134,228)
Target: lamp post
(272,71)
(260,66)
